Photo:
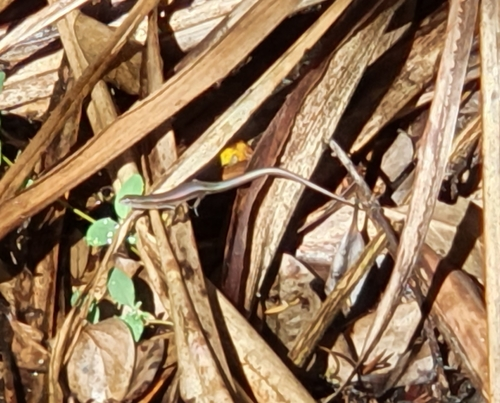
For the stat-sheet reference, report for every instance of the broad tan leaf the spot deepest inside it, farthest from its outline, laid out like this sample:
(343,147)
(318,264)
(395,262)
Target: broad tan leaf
(102,363)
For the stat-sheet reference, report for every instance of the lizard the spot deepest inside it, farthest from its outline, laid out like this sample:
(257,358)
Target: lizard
(196,189)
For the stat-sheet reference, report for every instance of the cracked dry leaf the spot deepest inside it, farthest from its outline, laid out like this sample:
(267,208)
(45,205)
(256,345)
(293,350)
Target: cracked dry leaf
(101,365)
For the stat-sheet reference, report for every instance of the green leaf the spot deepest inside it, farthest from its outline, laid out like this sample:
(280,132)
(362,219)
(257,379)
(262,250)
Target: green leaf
(94,313)
(29,182)
(132,239)
(121,287)
(101,232)
(2,79)
(135,323)
(74,297)
(132,186)
(145,316)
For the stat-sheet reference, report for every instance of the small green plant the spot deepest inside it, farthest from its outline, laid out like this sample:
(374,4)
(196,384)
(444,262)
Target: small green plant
(132,186)
(94,313)
(122,291)
(102,231)
(120,286)
(2,80)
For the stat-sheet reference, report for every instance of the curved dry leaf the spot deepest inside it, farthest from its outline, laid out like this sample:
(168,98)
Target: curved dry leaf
(102,362)
(27,347)
(350,248)
(79,256)
(269,379)
(150,355)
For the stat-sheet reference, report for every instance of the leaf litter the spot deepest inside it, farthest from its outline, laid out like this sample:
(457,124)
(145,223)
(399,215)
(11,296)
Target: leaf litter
(375,102)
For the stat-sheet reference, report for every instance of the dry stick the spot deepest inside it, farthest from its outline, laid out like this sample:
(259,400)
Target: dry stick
(375,211)
(164,151)
(101,110)
(15,176)
(490,88)
(197,363)
(160,159)
(147,114)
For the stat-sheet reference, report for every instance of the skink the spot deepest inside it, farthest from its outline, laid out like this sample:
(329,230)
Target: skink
(198,189)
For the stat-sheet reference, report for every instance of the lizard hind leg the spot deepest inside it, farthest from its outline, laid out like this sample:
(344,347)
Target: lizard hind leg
(195,205)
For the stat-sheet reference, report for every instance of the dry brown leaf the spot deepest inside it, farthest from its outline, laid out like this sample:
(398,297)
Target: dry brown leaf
(418,71)
(102,362)
(28,91)
(320,245)
(200,370)
(193,24)
(392,346)
(92,36)
(459,313)
(398,157)
(293,287)
(27,347)
(149,357)
(314,330)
